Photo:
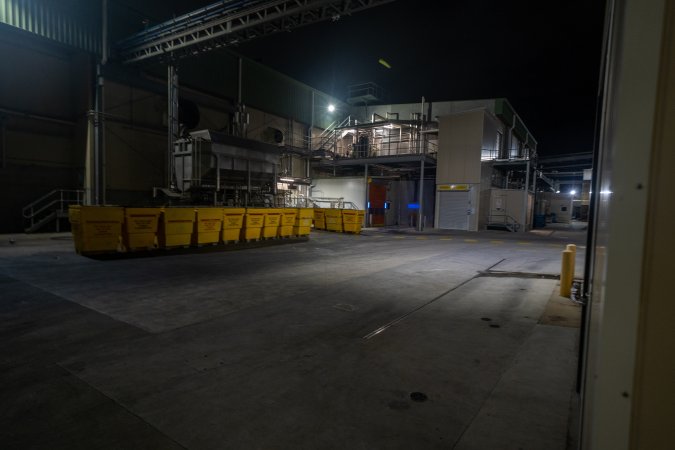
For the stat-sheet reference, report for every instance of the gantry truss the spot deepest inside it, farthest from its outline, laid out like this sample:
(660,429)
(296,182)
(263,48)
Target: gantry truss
(231,22)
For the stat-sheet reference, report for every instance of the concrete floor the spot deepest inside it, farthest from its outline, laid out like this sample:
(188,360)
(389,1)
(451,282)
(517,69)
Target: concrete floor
(311,345)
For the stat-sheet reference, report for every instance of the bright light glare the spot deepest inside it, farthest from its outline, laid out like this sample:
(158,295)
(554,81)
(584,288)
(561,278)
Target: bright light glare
(605,192)
(573,192)
(557,192)
(331,108)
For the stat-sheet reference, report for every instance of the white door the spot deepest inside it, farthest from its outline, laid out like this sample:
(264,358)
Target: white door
(453,210)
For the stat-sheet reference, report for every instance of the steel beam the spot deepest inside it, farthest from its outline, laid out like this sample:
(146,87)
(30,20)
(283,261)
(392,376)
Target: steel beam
(207,30)
(172,121)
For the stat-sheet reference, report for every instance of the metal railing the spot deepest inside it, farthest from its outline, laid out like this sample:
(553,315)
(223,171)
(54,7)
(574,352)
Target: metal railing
(329,136)
(505,220)
(50,207)
(331,202)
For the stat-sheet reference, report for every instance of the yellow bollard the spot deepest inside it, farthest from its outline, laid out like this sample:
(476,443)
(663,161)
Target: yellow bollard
(566,273)
(573,249)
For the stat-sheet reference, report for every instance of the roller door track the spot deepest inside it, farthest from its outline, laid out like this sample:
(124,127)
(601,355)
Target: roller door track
(453,208)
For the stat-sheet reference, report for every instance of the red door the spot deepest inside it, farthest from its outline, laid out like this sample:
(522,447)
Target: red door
(376,197)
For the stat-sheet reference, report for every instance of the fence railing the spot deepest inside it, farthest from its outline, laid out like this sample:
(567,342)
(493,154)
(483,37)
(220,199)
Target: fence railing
(46,209)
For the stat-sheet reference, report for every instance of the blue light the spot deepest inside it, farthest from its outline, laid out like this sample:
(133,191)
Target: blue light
(413,206)
(368,205)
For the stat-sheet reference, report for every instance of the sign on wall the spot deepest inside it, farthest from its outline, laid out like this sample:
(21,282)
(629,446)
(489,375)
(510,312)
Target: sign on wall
(453,187)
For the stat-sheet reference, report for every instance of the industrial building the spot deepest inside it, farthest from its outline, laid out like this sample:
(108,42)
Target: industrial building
(439,326)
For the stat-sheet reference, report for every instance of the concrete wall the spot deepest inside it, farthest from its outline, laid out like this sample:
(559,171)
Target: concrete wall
(512,203)
(352,189)
(44,97)
(460,138)
(558,204)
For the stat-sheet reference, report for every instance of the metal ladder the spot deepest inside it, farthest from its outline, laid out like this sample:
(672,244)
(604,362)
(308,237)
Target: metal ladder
(51,207)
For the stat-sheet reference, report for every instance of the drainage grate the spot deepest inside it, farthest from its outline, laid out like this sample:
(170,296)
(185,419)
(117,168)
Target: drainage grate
(499,274)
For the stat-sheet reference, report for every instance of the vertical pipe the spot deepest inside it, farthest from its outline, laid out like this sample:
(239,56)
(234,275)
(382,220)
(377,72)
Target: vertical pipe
(248,181)
(239,81)
(88,162)
(104,32)
(101,104)
(101,119)
(367,210)
(523,227)
(274,182)
(169,124)
(215,197)
(311,124)
(172,120)
(420,213)
(97,137)
(3,143)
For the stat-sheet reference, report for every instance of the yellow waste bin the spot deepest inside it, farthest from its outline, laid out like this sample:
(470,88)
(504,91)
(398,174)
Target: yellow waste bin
(254,220)
(303,222)
(333,219)
(288,216)
(140,228)
(209,225)
(176,226)
(272,222)
(233,221)
(96,229)
(351,220)
(319,218)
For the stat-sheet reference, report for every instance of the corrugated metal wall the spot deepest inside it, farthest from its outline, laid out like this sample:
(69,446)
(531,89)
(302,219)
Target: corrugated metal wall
(36,17)
(276,93)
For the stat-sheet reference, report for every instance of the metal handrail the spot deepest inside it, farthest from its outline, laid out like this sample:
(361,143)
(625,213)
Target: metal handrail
(50,205)
(329,134)
(334,202)
(508,220)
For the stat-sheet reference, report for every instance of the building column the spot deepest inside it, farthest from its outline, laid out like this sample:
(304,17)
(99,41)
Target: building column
(365,216)
(172,120)
(420,211)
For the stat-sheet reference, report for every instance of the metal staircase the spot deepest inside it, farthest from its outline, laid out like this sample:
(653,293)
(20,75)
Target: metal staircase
(50,208)
(328,138)
(502,222)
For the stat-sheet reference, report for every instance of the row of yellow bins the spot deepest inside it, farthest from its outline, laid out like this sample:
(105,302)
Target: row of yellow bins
(106,229)
(339,220)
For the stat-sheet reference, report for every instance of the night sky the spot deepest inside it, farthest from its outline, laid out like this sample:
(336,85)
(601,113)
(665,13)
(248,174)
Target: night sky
(543,56)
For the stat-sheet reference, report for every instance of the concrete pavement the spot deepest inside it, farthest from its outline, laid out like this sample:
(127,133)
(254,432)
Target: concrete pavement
(274,348)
